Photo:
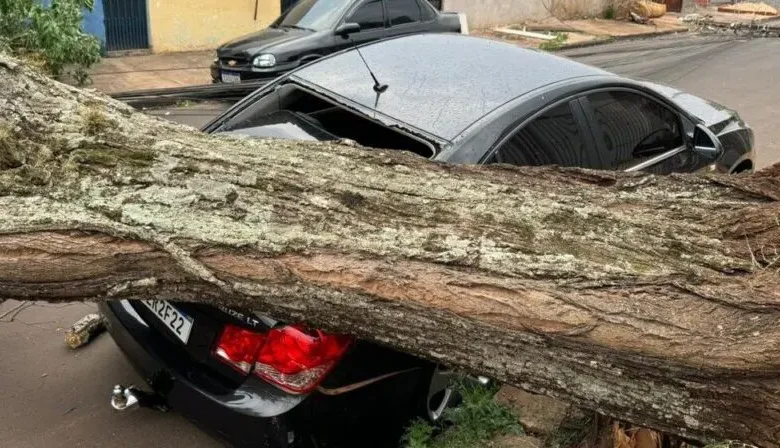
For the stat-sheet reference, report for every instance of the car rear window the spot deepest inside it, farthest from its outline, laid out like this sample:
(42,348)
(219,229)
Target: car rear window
(403,11)
(294,110)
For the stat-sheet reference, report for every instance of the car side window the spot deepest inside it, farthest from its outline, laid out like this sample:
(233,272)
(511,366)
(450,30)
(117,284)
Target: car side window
(403,11)
(552,138)
(369,15)
(633,128)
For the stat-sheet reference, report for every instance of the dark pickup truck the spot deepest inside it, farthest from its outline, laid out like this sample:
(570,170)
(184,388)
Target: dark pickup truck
(314,28)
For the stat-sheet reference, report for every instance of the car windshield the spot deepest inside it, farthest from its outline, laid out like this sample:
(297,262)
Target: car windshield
(313,14)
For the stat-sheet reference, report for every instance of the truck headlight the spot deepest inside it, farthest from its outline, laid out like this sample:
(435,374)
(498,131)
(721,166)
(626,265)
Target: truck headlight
(264,60)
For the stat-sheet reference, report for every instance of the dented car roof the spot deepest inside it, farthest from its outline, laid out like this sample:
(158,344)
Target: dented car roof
(441,83)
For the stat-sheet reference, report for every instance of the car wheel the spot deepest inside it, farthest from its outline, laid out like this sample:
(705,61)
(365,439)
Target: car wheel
(442,392)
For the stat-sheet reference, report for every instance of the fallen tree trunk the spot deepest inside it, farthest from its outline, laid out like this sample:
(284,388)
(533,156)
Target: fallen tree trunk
(651,299)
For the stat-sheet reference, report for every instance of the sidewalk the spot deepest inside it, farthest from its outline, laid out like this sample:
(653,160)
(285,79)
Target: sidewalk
(154,71)
(665,24)
(169,70)
(728,17)
(588,31)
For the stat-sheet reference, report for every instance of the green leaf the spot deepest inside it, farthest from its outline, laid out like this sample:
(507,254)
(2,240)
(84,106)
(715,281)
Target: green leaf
(478,419)
(54,33)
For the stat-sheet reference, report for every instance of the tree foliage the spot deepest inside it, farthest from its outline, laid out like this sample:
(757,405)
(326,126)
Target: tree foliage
(50,34)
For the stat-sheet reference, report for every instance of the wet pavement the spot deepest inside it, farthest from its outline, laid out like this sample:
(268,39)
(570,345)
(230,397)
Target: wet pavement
(56,397)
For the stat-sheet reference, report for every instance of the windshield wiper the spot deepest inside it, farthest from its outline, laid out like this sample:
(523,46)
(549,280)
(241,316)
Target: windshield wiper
(298,27)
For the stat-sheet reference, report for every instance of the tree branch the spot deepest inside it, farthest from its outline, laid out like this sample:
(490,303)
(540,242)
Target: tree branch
(631,294)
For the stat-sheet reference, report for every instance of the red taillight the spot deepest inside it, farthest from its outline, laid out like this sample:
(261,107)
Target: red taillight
(238,347)
(291,358)
(296,360)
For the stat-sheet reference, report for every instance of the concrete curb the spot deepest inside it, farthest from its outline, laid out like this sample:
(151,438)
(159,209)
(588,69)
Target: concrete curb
(611,39)
(151,98)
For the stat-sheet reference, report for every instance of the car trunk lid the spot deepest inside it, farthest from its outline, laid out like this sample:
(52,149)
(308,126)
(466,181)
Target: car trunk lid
(207,323)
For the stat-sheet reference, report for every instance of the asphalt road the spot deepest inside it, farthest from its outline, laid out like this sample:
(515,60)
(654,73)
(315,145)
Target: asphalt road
(53,397)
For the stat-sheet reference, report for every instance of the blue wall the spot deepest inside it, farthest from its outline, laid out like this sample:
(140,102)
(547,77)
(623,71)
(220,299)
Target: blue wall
(94,23)
(93,20)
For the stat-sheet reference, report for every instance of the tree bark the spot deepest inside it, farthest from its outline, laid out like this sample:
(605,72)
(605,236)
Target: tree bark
(85,330)
(652,299)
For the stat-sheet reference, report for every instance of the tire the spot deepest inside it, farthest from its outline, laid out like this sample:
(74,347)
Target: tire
(440,392)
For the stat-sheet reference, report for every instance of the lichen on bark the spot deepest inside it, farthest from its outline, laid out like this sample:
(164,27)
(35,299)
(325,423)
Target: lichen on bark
(653,299)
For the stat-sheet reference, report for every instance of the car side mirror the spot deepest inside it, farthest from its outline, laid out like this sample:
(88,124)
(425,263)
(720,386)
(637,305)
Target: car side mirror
(706,143)
(345,29)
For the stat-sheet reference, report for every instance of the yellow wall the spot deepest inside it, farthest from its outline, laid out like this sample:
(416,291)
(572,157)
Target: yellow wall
(181,25)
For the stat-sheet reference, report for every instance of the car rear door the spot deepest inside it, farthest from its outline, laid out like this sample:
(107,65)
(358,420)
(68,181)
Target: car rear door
(556,135)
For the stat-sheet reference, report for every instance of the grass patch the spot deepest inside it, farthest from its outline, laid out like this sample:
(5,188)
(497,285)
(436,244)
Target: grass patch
(556,43)
(418,435)
(609,12)
(477,420)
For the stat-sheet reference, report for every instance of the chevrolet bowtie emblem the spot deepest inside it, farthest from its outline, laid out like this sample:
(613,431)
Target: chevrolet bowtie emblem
(231,62)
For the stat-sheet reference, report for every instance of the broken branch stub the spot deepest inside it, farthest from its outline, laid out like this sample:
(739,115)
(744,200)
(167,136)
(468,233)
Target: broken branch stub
(651,299)
(85,330)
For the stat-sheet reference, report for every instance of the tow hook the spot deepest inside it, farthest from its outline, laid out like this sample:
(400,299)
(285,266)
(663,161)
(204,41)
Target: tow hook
(128,398)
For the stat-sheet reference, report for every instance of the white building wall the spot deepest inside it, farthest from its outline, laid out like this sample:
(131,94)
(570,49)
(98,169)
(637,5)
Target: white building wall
(486,13)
